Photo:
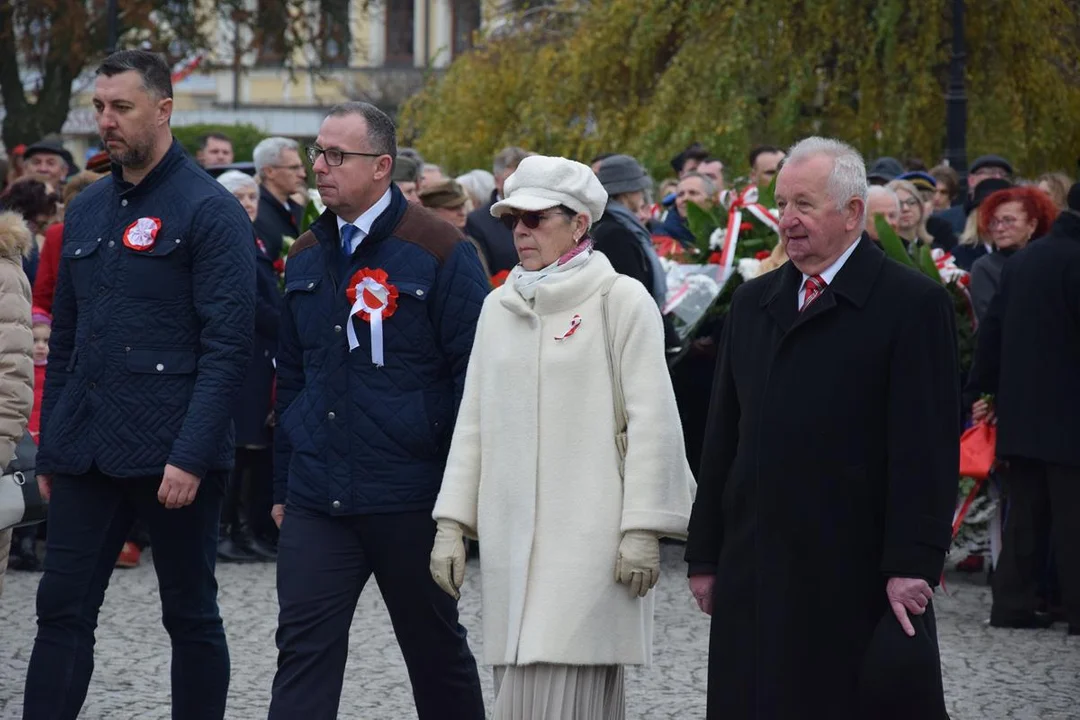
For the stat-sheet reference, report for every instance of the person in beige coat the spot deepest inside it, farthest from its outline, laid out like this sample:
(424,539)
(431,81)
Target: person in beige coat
(570,542)
(16,349)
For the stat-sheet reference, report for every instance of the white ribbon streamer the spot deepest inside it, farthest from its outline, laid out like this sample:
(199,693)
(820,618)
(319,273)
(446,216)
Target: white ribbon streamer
(375,318)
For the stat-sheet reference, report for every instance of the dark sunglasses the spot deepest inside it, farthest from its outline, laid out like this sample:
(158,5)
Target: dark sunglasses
(530,218)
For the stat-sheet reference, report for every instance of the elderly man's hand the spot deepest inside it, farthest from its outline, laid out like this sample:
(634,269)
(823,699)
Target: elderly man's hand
(702,587)
(908,595)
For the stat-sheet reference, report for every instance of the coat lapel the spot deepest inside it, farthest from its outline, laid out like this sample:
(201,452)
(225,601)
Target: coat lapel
(781,297)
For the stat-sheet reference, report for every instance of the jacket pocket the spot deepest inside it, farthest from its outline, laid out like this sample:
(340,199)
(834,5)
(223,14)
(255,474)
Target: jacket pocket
(162,362)
(79,256)
(160,273)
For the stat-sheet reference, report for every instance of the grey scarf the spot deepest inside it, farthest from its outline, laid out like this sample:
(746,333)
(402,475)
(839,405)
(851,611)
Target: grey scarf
(627,219)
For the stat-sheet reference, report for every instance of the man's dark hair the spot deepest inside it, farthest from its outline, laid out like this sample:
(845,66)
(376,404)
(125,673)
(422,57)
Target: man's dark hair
(696,151)
(601,157)
(761,150)
(155,74)
(204,140)
(380,128)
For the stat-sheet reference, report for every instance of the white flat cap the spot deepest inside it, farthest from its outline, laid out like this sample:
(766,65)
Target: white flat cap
(541,182)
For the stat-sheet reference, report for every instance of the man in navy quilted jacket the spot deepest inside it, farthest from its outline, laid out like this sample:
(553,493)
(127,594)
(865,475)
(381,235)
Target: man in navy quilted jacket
(152,329)
(381,303)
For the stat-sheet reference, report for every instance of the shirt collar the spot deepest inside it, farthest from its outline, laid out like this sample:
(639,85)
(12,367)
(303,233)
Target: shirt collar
(365,221)
(829,273)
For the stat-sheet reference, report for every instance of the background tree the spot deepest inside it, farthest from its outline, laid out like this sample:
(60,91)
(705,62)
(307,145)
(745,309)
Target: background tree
(650,76)
(45,45)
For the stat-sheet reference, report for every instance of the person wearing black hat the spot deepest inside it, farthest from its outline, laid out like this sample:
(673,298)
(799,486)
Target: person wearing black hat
(971,246)
(985,167)
(50,159)
(1027,355)
(883,171)
(619,234)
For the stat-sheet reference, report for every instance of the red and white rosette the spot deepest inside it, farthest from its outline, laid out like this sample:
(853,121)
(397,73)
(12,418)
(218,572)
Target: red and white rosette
(141,235)
(373,299)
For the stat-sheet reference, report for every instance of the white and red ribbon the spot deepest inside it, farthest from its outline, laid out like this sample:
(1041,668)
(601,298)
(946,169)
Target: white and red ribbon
(575,323)
(375,301)
(746,201)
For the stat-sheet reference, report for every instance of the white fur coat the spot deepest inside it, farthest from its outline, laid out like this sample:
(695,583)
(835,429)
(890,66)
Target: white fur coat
(533,470)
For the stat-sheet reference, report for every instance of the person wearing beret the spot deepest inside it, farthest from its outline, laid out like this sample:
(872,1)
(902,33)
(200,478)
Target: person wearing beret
(984,168)
(799,550)
(50,159)
(619,233)
(569,525)
(449,200)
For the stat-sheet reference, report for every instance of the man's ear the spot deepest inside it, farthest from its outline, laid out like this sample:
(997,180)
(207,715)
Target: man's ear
(164,110)
(853,214)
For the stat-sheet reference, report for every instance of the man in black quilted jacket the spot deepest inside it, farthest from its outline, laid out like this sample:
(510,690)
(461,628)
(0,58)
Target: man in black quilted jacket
(152,329)
(381,303)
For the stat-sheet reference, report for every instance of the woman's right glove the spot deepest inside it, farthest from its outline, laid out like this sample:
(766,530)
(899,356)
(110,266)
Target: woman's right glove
(448,557)
(638,562)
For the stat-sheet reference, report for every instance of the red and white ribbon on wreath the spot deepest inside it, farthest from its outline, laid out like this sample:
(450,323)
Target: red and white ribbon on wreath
(747,201)
(373,299)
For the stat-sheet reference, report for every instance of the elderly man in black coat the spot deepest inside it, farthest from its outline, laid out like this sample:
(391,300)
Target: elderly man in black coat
(829,475)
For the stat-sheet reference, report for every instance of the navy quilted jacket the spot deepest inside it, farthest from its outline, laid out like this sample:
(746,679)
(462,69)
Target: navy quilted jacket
(149,346)
(353,437)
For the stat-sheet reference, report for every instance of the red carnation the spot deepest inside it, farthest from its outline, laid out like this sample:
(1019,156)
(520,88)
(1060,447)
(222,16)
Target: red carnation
(279,266)
(499,278)
(762,254)
(714,259)
(965,280)
(746,227)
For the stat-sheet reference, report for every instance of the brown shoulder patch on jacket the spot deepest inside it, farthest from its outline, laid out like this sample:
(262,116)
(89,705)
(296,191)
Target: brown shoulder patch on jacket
(422,227)
(302,243)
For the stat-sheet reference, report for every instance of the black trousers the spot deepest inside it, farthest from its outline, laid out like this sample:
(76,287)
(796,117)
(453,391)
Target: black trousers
(1040,496)
(89,520)
(250,494)
(323,564)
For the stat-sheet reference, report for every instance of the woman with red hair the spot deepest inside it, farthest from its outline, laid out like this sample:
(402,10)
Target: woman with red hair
(1010,219)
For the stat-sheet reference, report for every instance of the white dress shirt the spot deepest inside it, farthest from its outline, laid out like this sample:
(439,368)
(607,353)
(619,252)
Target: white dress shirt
(828,274)
(365,221)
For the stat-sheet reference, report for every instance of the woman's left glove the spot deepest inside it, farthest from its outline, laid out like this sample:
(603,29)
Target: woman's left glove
(447,563)
(638,562)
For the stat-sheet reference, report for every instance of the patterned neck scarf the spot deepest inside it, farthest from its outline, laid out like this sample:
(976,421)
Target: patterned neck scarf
(526,281)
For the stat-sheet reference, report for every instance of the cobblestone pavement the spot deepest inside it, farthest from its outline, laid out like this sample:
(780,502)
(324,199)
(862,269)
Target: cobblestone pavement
(989,674)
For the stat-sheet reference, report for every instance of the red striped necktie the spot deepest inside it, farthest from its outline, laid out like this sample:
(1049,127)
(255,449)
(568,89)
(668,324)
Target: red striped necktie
(812,290)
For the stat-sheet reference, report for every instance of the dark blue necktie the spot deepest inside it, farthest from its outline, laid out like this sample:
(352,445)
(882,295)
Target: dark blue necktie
(348,232)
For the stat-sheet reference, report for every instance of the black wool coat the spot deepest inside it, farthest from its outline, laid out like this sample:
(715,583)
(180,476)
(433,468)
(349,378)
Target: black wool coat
(1029,349)
(830,465)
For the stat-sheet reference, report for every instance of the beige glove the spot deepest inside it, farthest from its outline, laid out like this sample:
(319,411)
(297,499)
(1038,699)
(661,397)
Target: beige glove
(447,563)
(638,562)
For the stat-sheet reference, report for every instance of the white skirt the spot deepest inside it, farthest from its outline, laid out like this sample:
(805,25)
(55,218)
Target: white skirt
(559,692)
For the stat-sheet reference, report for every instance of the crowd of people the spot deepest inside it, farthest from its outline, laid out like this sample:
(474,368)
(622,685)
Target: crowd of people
(210,371)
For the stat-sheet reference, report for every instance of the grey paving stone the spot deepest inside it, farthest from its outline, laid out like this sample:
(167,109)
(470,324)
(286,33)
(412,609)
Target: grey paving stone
(989,674)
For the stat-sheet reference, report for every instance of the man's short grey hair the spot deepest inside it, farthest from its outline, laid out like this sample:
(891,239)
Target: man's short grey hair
(268,152)
(710,187)
(508,159)
(478,183)
(848,177)
(883,191)
(234,180)
(382,135)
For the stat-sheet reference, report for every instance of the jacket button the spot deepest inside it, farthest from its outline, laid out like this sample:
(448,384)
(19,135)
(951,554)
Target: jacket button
(159,367)
(336,504)
(419,293)
(337,328)
(123,203)
(78,251)
(330,415)
(112,243)
(310,285)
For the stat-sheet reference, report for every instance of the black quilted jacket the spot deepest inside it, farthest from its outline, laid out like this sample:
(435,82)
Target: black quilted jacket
(353,437)
(150,340)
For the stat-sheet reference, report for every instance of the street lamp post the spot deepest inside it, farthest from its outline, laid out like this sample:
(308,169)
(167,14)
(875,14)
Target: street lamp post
(956,99)
(112,22)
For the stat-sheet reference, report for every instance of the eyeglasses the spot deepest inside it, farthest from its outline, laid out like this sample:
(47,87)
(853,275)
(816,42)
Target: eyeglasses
(333,156)
(530,219)
(1005,222)
(910,202)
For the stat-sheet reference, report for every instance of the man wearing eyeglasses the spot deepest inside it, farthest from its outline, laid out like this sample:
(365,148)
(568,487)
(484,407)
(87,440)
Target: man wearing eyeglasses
(281,175)
(381,303)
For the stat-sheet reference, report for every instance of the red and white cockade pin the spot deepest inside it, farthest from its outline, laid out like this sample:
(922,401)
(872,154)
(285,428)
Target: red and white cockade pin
(575,323)
(142,234)
(374,299)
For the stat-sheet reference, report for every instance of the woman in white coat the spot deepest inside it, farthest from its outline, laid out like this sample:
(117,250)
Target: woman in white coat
(569,530)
